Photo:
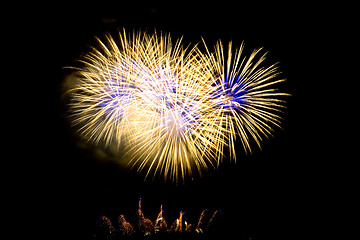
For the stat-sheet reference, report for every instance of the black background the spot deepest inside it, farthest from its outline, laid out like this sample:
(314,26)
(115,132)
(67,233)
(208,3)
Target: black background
(271,194)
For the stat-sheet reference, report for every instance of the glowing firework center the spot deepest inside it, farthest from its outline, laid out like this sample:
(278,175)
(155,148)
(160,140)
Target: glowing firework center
(166,97)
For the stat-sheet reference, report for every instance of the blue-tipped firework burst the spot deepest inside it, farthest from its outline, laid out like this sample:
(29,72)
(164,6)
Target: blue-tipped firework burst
(244,95)
(174,109)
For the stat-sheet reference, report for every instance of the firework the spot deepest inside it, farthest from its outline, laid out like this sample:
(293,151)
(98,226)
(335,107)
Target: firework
(121,229)
(125,228)
(173,110)
(244,94)
(153,96)
(160,222)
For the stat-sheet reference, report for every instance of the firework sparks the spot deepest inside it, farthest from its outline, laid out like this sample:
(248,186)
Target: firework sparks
(125,228)
(105,229)
(173,109)
(160,222)
(144,224)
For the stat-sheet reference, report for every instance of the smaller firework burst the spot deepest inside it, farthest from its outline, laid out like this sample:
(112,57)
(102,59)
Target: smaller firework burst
(106,230)
(244,94)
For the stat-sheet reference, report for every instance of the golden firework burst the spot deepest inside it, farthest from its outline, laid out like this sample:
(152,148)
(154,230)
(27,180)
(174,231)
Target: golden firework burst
(174,108)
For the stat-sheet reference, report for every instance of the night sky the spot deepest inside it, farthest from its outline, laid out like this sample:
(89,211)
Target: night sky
(266,195)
